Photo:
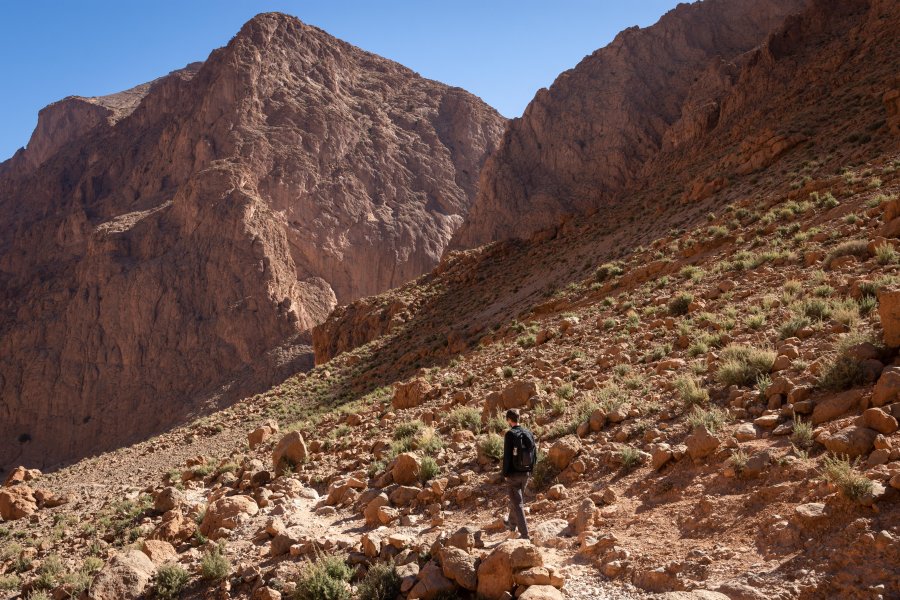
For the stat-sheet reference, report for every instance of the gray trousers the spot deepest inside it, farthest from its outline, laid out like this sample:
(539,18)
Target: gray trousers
(515,485)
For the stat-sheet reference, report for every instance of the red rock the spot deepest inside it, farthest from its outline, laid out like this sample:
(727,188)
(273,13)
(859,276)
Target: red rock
(17,502)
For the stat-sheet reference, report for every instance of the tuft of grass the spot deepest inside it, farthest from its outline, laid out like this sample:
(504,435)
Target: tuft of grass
(843,371)
(680,304)
(8,583)
(630,458)
(324,579)
(465,418)
(691,392)
(886,254)
(802,436)
(544,474)
(566,391)
(380,583)
(169,581)
(608,271)
(858,248)
(816,309)
(527,341)
(738,460)
(742,365)
(491,445)
(508,372)
(428,469)
(712,418)
(839,471)
(409,429)
(214,565)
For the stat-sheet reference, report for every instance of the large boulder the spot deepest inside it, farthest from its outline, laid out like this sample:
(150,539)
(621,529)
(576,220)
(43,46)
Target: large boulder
(168,499)
(564,451)
(459,566)
(158,551)
(406,469)
(370,512)
(879,420)
(17,502)
(262,433)
(124,577)
(541,592)
(701,443)
(496,573)
(411,394)
(174,527)
(515,395)
(431,583)
(888,387)
(290,452)
(853,441)
(834,406)
(227,513)
(889,311)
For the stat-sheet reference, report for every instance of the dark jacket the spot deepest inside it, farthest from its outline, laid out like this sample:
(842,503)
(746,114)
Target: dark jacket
(508,449)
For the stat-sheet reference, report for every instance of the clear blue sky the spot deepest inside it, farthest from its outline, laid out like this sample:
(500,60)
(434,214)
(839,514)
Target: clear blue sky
(501,50)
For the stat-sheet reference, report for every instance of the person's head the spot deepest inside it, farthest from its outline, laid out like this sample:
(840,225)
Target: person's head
(512,417)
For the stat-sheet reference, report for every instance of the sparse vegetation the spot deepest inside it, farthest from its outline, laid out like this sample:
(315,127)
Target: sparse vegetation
(630,458)
(712,418)
(738,460)
(680,304)
(169,581)
(465,417)
(858,248)
(491,446)
(380,583)
(742,365)
(428,469)
(324,579)
(802,435)
(214,565)
(544,474)
(839,471)
(691,391)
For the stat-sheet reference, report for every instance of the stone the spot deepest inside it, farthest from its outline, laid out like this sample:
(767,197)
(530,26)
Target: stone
(403,495)
(174,527)
(411,394)
(887,388)
(586,516)
(167,499)
(563,451)
(745,432)
(879,420)
(557,492)
(835,405)
(515,395)
(431,584)
(693,595)
(289,452)
(889,311)
(227,513)
(459,566)
(496,570)
(265,593)
(262,433)
(17,502)
(158,551)
(406,468)
(660,455)
(124,577)
(464,538)
(533,576)
(284,539)
(371,511)
(756,464)
(541,592)
(656,580)
(701,443)
(853,441)
(597,420)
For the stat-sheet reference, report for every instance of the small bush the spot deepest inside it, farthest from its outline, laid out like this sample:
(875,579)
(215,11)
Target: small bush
(39,595)
(9,583)
(691,391)
(843,371)
(429,441)
(790,327)
(858,248)
(738,460)
(491,445)
(465,418)
(565,391)
(885,254)
(630,458)
(742,365)
(508,372)
(679,305)
(802,436)
(214,565)
(608,271)
(380,583)
(816,308)
(839,471)
(544,474)
(325,579)
(527,341)
(169,581)
(712,418)
(428,469)
(409,429)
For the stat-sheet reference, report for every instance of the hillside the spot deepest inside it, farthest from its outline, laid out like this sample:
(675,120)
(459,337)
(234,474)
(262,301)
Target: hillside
(167,249)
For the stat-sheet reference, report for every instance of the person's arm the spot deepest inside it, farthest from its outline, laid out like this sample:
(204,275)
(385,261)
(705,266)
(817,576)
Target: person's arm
(507,454)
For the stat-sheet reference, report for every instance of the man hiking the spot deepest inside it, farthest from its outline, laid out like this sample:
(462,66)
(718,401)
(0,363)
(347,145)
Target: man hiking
(519,456)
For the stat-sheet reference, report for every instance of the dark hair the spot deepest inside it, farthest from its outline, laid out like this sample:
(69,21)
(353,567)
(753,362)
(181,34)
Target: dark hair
(512,415)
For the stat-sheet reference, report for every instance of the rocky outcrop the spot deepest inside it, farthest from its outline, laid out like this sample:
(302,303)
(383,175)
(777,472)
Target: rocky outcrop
(177,242)
(581,142)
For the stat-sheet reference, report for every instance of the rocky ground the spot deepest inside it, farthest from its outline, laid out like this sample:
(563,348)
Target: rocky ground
(716,411)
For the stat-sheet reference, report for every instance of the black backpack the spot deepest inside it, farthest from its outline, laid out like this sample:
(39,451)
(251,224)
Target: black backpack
(524,450)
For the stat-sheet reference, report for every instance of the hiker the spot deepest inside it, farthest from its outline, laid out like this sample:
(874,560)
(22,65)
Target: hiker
(519,456)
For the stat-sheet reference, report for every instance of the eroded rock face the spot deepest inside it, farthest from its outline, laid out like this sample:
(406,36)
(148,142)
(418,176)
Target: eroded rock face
(583,140)
(186,235)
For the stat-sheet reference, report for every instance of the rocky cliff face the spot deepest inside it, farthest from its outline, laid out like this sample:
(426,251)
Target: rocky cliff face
(159,245)
(581,142)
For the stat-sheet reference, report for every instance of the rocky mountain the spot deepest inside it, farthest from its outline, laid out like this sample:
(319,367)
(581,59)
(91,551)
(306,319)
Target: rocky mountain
(177,241)
(587,138)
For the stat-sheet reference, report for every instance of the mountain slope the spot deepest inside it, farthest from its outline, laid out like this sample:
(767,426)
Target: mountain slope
(176,242)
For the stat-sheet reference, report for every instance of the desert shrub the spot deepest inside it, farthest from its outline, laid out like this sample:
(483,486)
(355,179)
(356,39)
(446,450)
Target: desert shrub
(39,595)
(429,441)
(802,436)
(527,340)
(169,581)
(858,248)
(491,445)
(565,391)
(630,458)
(508,372)
(428,469)
(815,308)
(544,474)
(738,460)
(790,327)
(839,471)
(712,418)
(885,254)
(496,423)
(756,322)
(742,365)
(380,583)
(843,370)
(690,391)
(679,305)
(9,583)
(214,565)
(465,418)
(324,579)
(408,429)
(608,271)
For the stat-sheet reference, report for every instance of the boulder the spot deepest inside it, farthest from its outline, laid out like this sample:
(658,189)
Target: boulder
(158,551)
(533,576)
(167,499)
(745,432)
(597,420)
(174,527)
(431,583)
(124,577)
(879,420)
(284,539)
(887,388)
(406,469)
(227,513)
(459,566)
(853,441)
(541,592)
(834,406)
(262,433)
(660,455)
(290,452)
(496,571)
(404,494)
(656,580)
(411,394)
(17,502)
(564,451)
(701,443)
(889,311)
(371,511)
(514,395)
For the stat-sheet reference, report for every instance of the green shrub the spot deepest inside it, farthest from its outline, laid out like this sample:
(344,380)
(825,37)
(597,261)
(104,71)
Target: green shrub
(428,469)
(508,372)
(680,304)
(324,579)
(858,248)
(738,460)
(843,371)
(491,446)
(380,583)
(690,391)
(630,458)
(9,583)
(527,341)
(802,436)
(169,581)
(565,391)
(465,418)
(885,254)
(742,365)
(496,424)
(790,327)
(544,474)
(214,565)
(608,271)
(839,471)
(428,441)
(408,429)
(712,418)
(816,308)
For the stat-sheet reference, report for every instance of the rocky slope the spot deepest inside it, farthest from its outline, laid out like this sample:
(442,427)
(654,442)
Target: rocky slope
(175,242)
(585,140)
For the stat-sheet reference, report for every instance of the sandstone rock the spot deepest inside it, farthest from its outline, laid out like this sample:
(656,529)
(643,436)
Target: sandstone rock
(158,551)
(174,528)
(541,592)
(403,495)
(124,577)
(266,593)
(227,513)
(887,388)
(514,395)
(17,502)
(290,452)
(371,511)
(495,573)
(834,406)
(262,433)
(563,451)
(406,468)
(701,443)
(431,584)
(853,441)
(656,580)
(889,311)
(745,432)
(879,420)
(411,394)
(167,499)
(459,566)
(597,420)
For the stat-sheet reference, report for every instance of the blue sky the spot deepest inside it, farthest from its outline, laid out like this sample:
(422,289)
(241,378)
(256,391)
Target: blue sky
(501,50)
